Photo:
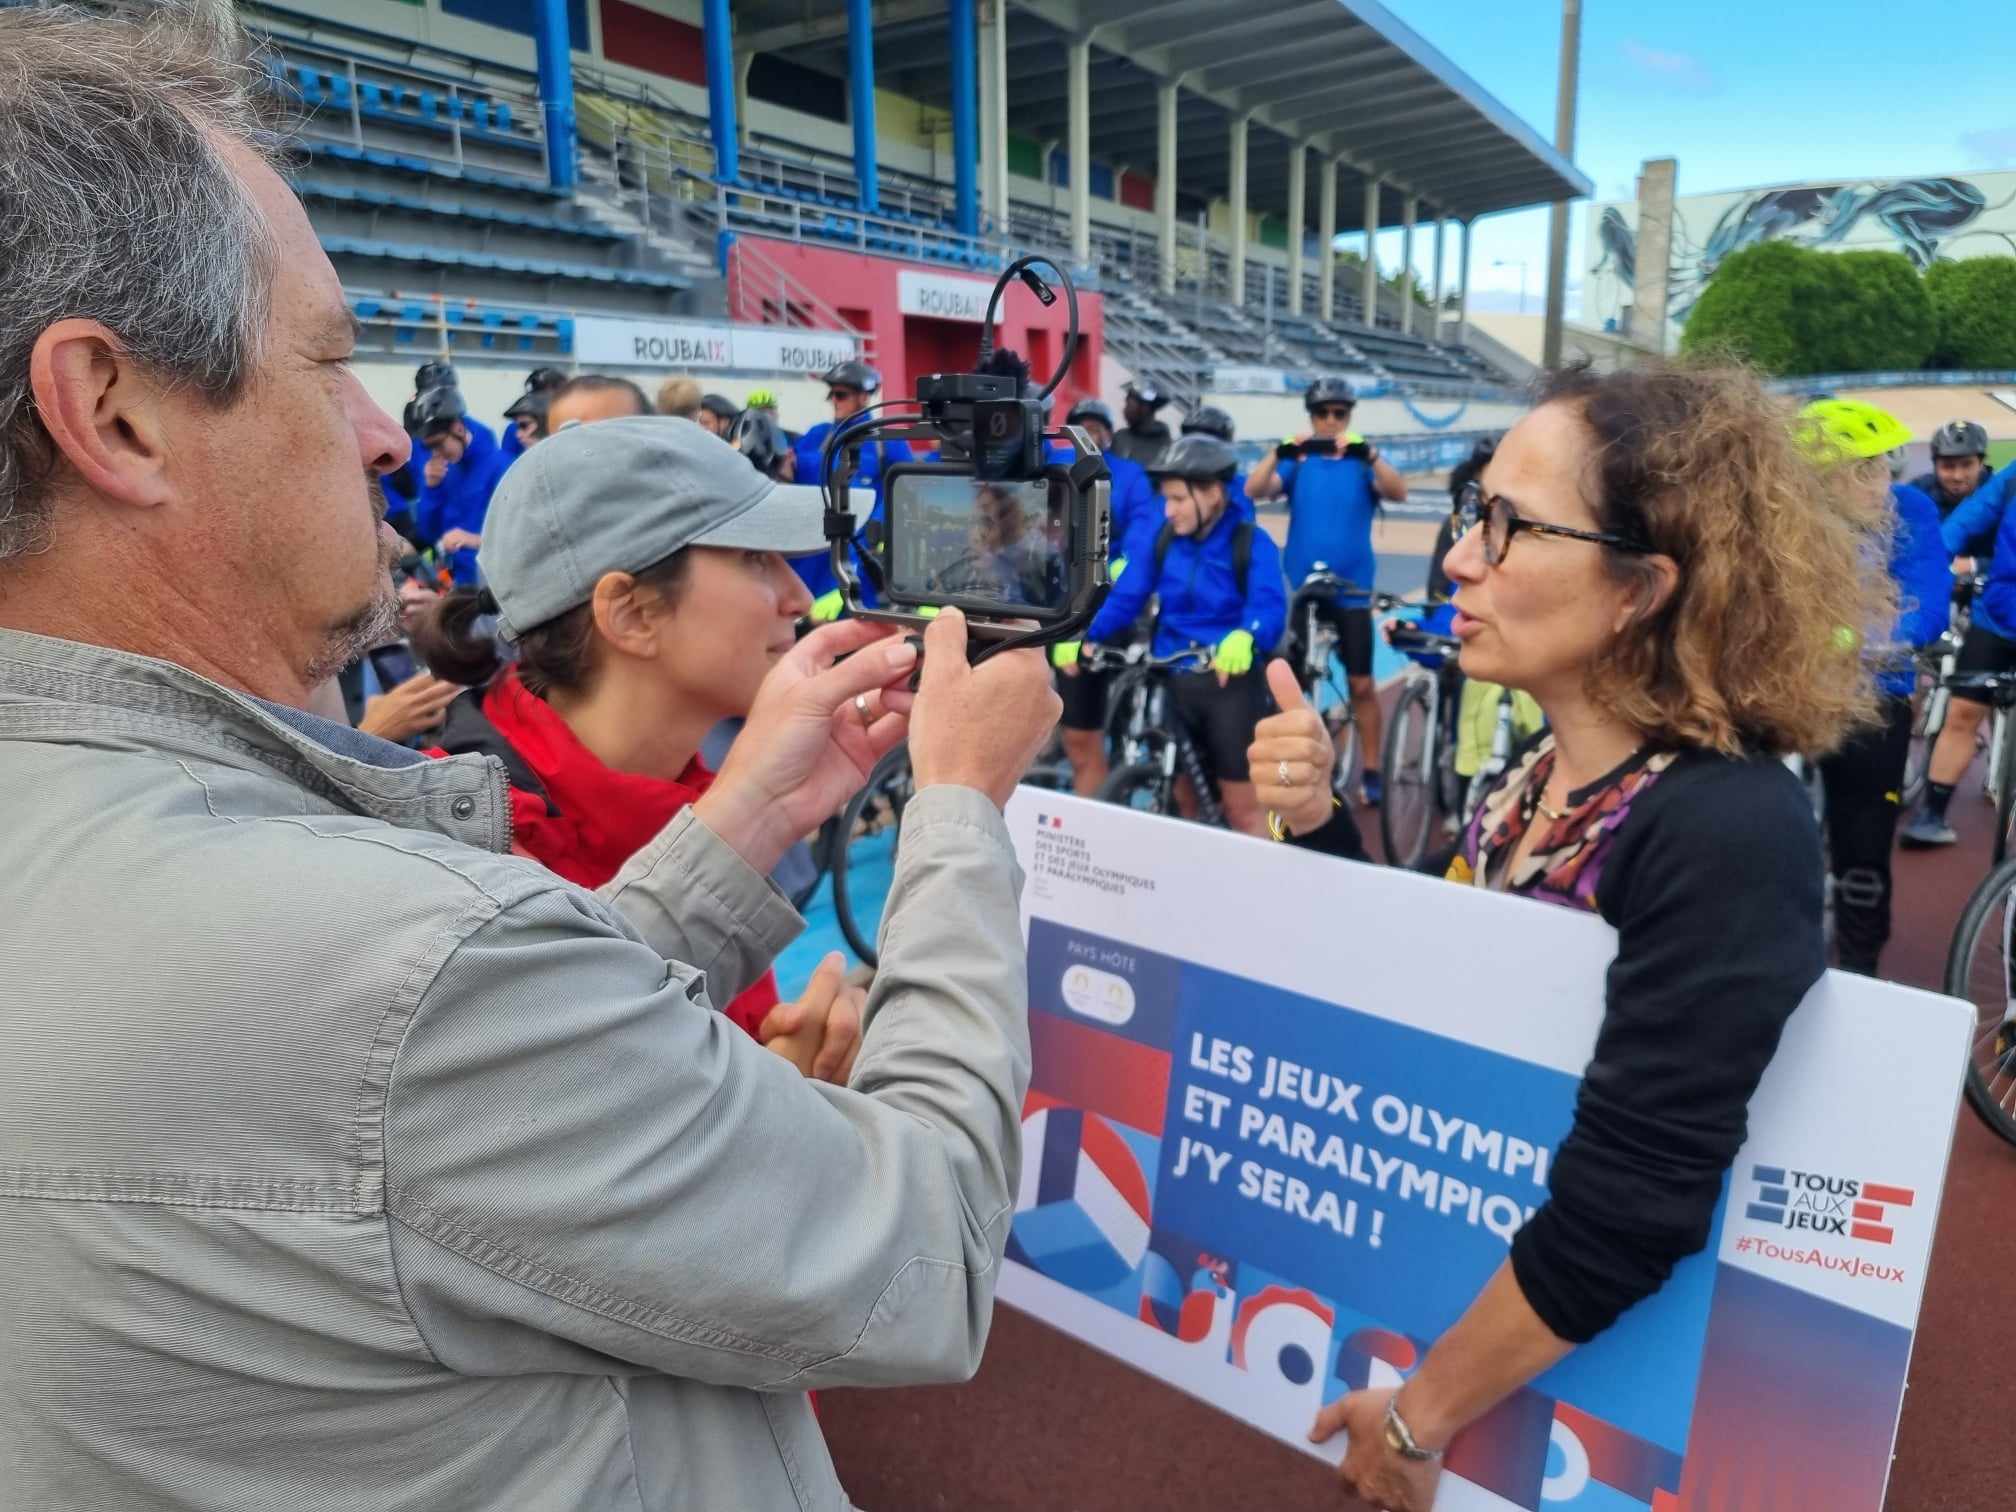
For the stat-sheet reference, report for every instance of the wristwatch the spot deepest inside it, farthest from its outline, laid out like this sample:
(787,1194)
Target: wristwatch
(1398,1437)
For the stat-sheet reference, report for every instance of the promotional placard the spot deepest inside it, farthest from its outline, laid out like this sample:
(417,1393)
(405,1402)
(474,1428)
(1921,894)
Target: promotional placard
(1288,1112)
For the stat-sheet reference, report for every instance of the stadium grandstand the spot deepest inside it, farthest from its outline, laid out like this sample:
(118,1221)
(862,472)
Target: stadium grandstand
(654,187)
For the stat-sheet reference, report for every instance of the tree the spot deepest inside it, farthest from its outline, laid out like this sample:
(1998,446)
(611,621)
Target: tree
(1762,304)
(1794,310)
(1887,324)
(1974,306)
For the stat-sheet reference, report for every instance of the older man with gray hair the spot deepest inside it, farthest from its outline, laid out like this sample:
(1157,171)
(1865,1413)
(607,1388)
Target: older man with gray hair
(347,1159)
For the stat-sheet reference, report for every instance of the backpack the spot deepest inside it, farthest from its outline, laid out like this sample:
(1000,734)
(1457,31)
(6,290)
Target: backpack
(1242,551)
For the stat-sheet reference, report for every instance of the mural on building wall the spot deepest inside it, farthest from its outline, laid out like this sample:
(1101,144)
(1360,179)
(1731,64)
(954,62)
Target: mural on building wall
(1924,218)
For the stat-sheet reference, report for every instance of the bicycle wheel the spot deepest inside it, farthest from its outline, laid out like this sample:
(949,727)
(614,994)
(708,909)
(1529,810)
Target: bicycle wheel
(1349,758)
(821,847)
(1137,787)
(1979,969)
(864,853)
(1931,719)
(1409,809)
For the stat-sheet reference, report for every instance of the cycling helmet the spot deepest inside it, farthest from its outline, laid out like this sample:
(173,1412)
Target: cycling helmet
(1208,420)
(436,412)
(759,439)
(1196,458)
(854,375)
(532,402)
(761,398)
(433,375)
(1960,438)
(1148,394)
(1089,408)
(1838,429)
(1328,391)
(720,406)
(541,378)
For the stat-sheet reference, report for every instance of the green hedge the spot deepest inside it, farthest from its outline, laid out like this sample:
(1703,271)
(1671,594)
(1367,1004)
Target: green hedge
(1974,305)
(1793,310)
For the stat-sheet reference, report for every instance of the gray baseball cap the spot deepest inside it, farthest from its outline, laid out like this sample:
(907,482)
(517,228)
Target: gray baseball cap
(623,495)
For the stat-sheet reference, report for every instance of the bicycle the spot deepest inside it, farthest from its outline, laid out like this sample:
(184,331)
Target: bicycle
(2001,690)
(1153,749)
(1932,695)
(859,846)
(1422,739)
(1312,650)
(1981,968)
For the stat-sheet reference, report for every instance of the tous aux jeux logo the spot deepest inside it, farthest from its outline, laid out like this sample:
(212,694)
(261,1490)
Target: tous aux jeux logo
(1826,1204)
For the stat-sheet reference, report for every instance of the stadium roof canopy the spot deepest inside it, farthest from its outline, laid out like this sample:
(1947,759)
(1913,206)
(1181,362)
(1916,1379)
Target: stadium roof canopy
(1344,77)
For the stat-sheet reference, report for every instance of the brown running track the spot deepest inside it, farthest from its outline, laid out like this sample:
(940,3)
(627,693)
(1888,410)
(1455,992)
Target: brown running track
(1050,1423)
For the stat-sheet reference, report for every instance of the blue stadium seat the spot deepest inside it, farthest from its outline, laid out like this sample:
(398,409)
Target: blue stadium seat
(564,328)
(528,325)
(493,322)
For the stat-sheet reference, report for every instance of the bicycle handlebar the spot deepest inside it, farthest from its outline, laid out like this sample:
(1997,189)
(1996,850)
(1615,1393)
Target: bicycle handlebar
(1113,658)
(1323,583)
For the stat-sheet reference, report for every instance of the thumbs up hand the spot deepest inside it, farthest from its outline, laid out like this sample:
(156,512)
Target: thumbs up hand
(1293,744)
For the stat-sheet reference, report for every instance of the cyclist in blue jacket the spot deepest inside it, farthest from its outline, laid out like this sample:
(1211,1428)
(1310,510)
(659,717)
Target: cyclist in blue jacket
(850,388)
(1219,585)
(1990,646)
(1334,480)
(463,465)
(1210,420)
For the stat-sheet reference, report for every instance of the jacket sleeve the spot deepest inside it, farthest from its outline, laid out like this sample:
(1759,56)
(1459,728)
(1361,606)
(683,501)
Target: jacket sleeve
(1715,892)
(586,1171)
(1922,567)
(1266,610)
(1981,511)
(1130,595)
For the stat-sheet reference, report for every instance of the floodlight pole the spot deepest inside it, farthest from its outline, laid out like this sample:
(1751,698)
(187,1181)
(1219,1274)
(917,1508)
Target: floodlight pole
(1557,220)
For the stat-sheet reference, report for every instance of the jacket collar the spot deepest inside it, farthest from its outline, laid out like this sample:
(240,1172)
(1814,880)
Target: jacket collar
(59,691)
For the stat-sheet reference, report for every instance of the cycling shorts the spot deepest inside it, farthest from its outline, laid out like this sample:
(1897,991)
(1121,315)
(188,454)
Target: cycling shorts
(1983,651)
(1354,635)
(1220,720)
(1084,699)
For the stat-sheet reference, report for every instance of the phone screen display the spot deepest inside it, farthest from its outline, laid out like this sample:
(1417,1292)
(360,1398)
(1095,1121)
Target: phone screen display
(954,537)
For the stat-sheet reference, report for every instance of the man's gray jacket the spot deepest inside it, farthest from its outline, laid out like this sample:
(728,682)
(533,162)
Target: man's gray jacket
(349,1161)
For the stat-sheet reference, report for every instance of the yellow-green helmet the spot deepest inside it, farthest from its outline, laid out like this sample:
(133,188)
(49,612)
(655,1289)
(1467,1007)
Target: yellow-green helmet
(1847,429)
(761,398)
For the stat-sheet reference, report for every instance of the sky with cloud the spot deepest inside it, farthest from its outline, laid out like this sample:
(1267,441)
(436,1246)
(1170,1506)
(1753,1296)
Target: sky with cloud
(1742,92)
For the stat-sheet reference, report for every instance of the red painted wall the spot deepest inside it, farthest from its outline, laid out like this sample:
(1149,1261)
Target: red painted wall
(1137,191)
(907,345)
(644,39)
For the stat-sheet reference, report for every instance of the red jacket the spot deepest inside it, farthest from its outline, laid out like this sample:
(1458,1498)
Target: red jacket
(571,813)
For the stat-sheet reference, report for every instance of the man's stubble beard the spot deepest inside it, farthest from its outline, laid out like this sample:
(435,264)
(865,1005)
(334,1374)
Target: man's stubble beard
(378,622)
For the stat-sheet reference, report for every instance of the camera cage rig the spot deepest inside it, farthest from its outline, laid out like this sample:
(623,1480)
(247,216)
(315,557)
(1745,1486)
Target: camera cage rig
(953,409)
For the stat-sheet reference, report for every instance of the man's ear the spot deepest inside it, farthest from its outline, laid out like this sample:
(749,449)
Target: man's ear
(101,408)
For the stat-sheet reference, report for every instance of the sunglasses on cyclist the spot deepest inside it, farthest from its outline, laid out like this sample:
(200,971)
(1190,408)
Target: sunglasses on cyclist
(1332,412)
(1501,522)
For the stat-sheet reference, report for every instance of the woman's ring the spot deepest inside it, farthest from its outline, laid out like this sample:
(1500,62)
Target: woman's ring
(1281,774)
(861,709)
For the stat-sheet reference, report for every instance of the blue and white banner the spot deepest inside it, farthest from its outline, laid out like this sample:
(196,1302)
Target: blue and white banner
(1288,1113)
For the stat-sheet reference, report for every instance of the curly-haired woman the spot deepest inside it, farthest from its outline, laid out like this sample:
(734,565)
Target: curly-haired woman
(1653,556)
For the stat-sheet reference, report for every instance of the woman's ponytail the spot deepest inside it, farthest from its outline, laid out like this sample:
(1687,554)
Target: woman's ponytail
(454,643)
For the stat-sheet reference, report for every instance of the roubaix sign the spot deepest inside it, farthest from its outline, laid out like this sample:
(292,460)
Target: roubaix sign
(705,346)
(942,297)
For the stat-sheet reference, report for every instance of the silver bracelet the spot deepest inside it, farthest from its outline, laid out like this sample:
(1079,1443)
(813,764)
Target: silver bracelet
(1400,1439)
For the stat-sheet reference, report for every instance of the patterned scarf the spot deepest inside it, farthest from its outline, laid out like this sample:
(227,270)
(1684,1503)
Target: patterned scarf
(1565,864)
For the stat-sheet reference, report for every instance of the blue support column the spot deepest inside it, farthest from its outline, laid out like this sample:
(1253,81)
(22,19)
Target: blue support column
(861,98)
(965,119)
(721,88)
(556,92)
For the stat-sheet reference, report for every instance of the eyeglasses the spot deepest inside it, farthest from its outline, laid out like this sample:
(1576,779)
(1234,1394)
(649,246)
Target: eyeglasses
(1332,412)
(1502,522)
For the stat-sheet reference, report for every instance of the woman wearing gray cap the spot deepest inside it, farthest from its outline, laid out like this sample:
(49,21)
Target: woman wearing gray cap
(636,576)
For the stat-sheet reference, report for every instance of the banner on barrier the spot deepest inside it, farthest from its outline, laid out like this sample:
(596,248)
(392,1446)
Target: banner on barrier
(700,346)
(1287,1114)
